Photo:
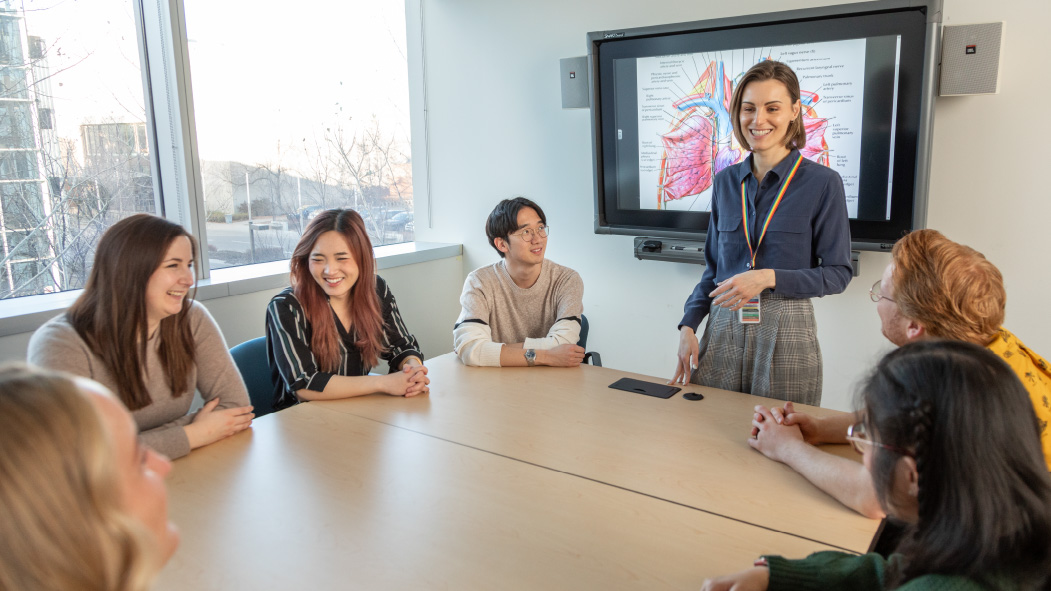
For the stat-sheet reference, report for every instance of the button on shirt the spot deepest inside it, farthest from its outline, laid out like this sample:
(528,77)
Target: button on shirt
(810,224)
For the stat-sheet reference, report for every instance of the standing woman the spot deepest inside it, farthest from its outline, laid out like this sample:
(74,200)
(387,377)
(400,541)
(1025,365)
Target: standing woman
(953,447)
(326,332)
(137,331)
(778,235)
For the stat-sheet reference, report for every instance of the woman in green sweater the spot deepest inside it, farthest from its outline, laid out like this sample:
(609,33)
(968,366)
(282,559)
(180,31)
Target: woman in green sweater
(952,443)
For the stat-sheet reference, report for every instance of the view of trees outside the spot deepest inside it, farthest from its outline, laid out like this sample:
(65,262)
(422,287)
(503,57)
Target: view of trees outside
(73,150)
(299,111)
(296,111)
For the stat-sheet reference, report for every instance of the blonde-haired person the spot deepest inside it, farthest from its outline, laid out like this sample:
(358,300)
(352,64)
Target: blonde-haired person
(932,288)
(779,235)
(137,330)
(82,503)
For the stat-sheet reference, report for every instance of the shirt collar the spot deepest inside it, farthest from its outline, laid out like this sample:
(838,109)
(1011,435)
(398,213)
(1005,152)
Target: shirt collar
(781,170)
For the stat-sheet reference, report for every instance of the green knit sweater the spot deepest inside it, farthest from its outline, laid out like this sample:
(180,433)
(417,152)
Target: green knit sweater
(837,570)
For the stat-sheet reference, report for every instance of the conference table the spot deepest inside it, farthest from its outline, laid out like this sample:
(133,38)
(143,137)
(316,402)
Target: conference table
(509,478)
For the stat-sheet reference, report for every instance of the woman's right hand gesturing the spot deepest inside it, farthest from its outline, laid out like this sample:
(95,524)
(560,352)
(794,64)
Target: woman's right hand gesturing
(688,356)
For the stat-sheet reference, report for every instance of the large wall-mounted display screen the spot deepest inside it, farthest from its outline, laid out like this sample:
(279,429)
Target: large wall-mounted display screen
(662,122)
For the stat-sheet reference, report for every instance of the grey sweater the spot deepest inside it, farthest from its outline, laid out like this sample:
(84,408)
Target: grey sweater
(496,311)
(56,345)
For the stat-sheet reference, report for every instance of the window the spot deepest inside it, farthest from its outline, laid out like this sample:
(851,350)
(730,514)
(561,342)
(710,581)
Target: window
(288,124)
(59,188)
(284,126)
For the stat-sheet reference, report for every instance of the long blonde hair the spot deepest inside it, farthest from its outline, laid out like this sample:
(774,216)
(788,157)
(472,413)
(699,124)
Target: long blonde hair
(63,526)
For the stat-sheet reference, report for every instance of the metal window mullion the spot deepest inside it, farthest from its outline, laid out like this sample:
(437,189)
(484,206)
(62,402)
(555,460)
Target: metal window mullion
(169,103)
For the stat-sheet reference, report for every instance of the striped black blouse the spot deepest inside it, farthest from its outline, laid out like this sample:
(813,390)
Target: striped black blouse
(292,363)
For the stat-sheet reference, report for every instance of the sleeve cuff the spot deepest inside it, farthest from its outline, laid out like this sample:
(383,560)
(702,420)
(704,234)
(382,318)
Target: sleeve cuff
(316,383)
(544,343)
(490,354)
(395,363)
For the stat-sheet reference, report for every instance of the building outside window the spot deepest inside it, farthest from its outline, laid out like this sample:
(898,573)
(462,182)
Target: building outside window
(287,124)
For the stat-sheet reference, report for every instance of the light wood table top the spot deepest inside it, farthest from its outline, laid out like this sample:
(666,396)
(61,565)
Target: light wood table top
(315,499)
(567,419)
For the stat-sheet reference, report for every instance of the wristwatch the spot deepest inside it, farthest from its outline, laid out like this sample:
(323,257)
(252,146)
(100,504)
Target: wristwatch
(530,356)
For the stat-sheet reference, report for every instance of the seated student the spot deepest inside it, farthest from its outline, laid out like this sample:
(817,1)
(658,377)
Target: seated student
(933,287)
(952,446)
(522,309)
(326,332)
(83,505)
(137,331)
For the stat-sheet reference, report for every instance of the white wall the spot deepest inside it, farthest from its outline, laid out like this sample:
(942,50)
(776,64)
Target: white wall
(427,293)
(497,129)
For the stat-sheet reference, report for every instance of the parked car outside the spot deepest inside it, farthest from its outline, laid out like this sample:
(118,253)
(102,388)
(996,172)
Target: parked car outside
(398,221)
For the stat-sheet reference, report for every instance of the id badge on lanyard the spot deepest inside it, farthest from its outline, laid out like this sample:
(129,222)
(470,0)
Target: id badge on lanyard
(751,312)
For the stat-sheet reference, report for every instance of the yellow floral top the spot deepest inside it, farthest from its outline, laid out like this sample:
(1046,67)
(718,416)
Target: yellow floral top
(1035,374)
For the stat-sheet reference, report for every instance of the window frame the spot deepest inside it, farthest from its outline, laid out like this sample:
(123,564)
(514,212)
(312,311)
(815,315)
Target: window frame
(176,170)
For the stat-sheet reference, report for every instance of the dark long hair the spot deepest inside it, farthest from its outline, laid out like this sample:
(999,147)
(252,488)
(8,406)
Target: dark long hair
(111,313)
(984,490)
(365,316)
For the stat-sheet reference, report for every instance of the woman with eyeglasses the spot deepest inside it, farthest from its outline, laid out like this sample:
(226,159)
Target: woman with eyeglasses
(953,447)
(138,331)
(328,330)
(778,236)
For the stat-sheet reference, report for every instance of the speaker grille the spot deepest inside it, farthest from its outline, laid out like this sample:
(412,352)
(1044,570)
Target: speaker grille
(971,73)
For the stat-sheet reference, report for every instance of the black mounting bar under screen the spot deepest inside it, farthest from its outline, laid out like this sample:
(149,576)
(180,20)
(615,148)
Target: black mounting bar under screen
(690,251)
(661,125)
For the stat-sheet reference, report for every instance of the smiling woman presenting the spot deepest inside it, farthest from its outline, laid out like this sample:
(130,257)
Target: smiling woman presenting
(326,332)
(136,330)
(778,235)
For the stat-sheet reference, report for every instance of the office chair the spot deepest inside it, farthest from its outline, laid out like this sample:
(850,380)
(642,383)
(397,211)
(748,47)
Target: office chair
(593,356)
(250,357)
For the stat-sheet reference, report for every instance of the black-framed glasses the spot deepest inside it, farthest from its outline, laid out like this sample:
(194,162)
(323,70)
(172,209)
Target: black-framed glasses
(875,295)
(858,436)
(542,231)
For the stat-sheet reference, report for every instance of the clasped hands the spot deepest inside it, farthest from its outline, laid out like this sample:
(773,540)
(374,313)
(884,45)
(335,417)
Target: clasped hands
(411,380)
(776,429)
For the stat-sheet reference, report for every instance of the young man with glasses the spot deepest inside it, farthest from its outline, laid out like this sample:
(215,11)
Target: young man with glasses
(522,310)
(933,288)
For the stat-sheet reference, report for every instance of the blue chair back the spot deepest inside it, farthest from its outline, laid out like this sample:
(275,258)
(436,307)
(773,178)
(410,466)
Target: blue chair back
(250,357)
(583,342)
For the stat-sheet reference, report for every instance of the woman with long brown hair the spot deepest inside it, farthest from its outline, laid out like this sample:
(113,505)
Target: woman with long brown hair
(83,504)
(326,332)
(137,331)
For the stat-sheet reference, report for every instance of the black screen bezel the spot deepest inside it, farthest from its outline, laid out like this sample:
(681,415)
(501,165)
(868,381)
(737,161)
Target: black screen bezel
(908,22)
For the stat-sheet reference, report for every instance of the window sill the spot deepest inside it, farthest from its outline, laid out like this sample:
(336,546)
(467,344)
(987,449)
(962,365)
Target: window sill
(26,314)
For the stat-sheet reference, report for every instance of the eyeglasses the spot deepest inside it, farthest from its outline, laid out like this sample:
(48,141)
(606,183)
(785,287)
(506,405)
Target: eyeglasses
(875,295)
(857,436)
(527,234)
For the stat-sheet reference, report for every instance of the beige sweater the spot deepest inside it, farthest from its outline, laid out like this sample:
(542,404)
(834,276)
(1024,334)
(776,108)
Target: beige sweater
(57,345)
(497,311)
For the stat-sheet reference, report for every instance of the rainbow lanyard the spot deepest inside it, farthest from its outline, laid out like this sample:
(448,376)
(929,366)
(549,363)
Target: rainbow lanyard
(769,216)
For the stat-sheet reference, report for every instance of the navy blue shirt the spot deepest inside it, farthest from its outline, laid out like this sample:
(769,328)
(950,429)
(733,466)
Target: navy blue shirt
(810,225)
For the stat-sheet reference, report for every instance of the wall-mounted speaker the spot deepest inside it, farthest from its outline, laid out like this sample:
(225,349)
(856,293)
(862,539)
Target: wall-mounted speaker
(574,75)
(971,59)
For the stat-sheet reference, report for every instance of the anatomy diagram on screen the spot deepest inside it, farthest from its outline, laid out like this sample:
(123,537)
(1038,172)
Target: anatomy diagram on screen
(685,131)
